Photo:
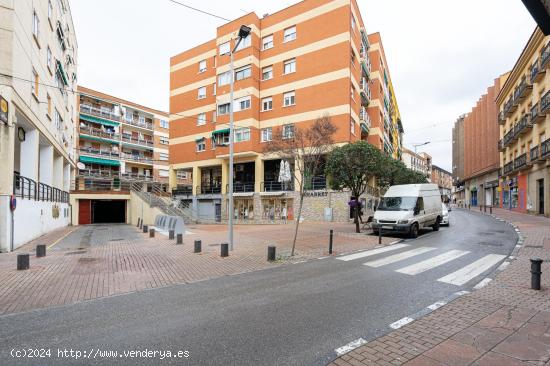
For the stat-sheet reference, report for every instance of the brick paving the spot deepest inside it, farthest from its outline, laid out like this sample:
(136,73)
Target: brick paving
(94,261)
(503,323)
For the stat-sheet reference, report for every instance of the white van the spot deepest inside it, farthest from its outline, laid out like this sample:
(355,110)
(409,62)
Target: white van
(408,208)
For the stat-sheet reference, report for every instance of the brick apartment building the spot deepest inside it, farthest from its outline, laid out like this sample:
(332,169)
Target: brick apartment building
(444,181)
(458,160)
(291,70)
(524,105)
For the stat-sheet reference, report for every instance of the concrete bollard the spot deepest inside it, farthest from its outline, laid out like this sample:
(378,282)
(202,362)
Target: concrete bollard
(179,239)
(22,261)
(145,229)
(536,271)
(331,235)
(171,234)
(198,245)
(151,233)
(271,252)
(224,250)
(41,250)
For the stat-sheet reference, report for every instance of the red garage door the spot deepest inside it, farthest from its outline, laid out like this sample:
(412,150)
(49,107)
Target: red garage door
(84,212)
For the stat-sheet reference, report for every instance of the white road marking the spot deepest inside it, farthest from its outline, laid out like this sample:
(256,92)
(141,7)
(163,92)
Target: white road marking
(472,270)
(433,262)
(503,266)
(369,253)
(483,283)
(350,346)
(437,305)
(401,322)
(460,293)
(398,257)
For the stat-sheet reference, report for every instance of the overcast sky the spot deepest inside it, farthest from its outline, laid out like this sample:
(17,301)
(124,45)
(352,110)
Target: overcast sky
(442,55)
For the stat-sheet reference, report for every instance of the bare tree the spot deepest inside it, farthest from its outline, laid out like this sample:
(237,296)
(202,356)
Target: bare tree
(305,146)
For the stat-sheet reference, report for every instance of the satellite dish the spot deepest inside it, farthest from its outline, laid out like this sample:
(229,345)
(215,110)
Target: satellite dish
(80,165)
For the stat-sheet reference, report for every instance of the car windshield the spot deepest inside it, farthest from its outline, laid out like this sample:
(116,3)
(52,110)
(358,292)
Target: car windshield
(397,203)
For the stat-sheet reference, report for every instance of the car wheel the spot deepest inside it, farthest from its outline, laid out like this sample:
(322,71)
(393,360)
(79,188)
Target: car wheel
(414,231)
(437,224)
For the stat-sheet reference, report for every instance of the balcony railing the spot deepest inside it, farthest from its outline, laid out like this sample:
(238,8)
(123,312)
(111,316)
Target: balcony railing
(99,173)
(315,183)
(99,152)
(209,189)
(520,161)
(242,187)
(136,176)
(137,141)
(534,154)
(545,149)
(545,103)
(534,72)
(137,122)
(508,168)
(523,125)
(545,56)
(139,158)
(522,90)
(92,131)
(99,112)
(182,190)
(508,106)
(27,188)
(501,118)
(274,186)
(508,137)
(535,115)
(101,184)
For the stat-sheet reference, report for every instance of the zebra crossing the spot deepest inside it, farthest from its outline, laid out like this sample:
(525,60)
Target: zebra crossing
(385,256)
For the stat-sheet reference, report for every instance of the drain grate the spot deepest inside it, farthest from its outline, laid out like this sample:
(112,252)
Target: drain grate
(534,246)
(76,252)
(87,259)
(117,239)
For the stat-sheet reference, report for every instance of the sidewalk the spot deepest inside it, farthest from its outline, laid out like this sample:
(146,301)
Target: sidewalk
(503,323)
(94,261)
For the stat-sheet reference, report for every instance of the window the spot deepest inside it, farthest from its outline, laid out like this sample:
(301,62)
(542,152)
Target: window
(352,92)
(241,104)
(163,156)
(243,72)
(201,119)
(223,109)
(352,58)
(267,73)
(49,58)
(267,104)
(224,79)
(267,42)
(214,89)
(202,66)
(290,66)
(36,81)
(201,145)
(181,174)
(163,173)
(224,48)
(288,131)
(202,92)
(164,140)
(289,99)
(290,34)
(58,121)
(352,127)
(50,9)
(245,42)
(267,134)
(353,22)
(242,134)
(35,25)
(164,123)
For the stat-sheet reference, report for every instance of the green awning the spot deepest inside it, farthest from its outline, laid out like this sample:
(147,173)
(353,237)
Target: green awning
(63,74)
(99,139)
(220,132)
(97,120)
(365,69)
(365,38)
(90,160)
(200,139)
(364,127)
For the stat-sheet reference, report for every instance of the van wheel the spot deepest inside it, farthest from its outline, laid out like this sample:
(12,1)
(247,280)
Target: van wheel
(437,224)
(414,231)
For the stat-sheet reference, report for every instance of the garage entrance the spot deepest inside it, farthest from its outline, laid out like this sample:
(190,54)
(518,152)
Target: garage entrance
(102,212)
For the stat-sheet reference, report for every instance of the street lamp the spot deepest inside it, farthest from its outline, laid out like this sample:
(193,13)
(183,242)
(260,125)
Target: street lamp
(417,145)
(244,31)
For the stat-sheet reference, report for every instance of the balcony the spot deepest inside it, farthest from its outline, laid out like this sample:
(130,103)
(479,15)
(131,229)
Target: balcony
(138,122)
(545,149)
(545,58)
(508,168)
(143,159)
(182,190)
(209,189)
(315,183)
(533,155)
(501,146)
(365,69)
(274,186)
(536,72)
(112,154)
(535,115)
(136,176)
(508,138)
(137,141)
(522,90)
(98,112)
(364,98)
(96,132)
(509,107)
(545,104)
(501,118)
(520,162)
(242,187)
(99,173)
(522,126)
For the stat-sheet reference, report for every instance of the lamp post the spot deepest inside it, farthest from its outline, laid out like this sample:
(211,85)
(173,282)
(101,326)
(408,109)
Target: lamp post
(244,31)
(417,145)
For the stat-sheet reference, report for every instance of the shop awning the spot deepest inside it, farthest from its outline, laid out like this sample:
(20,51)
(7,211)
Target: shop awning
(220,132)
(97,120)
(90,160)
(272,194)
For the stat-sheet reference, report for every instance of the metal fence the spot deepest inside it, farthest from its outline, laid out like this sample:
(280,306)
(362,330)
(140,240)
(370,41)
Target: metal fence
(29,189)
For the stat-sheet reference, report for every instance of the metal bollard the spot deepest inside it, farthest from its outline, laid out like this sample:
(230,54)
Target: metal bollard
(22,261)
(145,229)
(179,239)
(171,234)
(139,221)
(41,250)
(271,253)
(491,210)
(469,206)
(331,235)
(480,207)
(224,249)
(141,224)
(198,244)
(484,208)
(380,235)
(151,233)
(536,264)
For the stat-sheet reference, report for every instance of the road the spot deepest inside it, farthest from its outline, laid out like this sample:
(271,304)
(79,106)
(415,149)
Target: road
(291,315)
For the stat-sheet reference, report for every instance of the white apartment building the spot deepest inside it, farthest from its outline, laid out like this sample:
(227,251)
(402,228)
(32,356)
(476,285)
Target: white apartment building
(419,162)
(38,114)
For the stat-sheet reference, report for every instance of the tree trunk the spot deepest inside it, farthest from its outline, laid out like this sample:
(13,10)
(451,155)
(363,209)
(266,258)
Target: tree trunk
(356,215)
(297,223)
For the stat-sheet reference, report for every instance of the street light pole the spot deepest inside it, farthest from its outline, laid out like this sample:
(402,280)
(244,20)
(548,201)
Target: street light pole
(244,31)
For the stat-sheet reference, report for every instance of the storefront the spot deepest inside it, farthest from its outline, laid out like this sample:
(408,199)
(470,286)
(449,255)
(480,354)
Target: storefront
(513,193)
(473,196)
(277,208)
(491,193)
(243,207)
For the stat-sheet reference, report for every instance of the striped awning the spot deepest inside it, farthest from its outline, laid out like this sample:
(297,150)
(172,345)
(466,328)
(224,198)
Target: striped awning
(91,160)
(102,121)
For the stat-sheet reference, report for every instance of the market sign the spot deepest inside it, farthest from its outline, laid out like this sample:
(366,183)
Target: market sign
(3,110)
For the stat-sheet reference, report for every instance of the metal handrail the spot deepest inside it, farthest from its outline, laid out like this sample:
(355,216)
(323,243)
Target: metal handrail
(242,187)
(274,186)
(86,109)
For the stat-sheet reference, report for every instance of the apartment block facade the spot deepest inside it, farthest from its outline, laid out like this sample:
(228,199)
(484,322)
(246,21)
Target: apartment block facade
(291,70)
(458,160)
(38,72)
(419,162)
(444,181)
(480,177)
(524,106)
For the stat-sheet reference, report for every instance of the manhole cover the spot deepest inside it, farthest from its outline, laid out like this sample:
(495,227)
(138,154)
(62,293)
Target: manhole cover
(87,259)
(490,244)
(76,252)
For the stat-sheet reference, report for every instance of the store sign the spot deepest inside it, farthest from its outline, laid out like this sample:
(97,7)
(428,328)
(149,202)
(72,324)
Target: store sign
(316,194)
(3,110)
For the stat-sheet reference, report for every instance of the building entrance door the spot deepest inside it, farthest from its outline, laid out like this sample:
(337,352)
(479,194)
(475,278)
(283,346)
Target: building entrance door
(540,186)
